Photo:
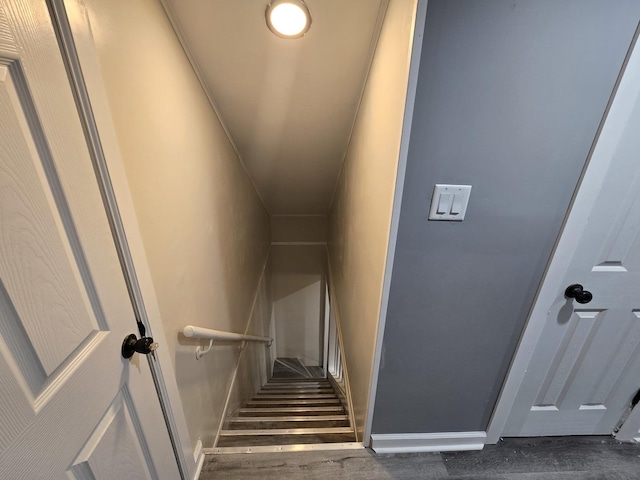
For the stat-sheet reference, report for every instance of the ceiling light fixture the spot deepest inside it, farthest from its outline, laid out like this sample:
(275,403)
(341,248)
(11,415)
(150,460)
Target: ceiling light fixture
(288,18)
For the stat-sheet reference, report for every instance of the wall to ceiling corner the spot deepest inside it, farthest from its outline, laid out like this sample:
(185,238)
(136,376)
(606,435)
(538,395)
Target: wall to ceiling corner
(360,216)
(509,98)
(204,229)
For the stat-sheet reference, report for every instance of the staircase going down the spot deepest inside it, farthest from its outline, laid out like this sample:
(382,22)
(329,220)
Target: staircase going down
(288,414)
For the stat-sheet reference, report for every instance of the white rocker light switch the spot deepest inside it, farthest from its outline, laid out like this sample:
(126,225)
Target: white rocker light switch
(456,206)
(444,203)
(449,202)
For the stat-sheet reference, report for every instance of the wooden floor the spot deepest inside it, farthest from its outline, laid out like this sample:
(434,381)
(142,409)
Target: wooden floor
(558,458)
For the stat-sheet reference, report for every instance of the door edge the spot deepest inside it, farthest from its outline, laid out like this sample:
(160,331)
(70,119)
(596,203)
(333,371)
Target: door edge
(80,58)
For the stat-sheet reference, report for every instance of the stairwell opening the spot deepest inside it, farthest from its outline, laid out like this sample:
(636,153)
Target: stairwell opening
(302,402)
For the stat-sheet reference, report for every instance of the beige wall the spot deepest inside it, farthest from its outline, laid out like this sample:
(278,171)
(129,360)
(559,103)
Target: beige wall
(360,217)
(204,229)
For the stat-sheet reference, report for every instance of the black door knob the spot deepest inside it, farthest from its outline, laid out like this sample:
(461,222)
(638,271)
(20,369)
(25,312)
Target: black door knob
(578,292)
(133,344)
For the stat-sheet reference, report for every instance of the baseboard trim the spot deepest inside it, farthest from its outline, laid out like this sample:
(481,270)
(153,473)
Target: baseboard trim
(199,464)
(427,442)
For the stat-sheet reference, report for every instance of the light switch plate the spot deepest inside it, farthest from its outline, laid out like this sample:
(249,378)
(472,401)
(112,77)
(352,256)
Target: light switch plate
(449,202)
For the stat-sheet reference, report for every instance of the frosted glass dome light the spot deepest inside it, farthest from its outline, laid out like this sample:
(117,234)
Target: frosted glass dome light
(288,18)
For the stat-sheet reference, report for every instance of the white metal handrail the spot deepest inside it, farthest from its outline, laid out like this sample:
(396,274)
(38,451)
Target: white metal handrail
(211,335)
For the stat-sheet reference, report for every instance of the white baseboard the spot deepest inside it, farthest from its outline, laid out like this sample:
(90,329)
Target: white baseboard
(199,464)
(197,451)
(427,442)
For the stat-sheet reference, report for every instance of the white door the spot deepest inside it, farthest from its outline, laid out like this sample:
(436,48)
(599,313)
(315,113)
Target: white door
(578,365)
(70,406)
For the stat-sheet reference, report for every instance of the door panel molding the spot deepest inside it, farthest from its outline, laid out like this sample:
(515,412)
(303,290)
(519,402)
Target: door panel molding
(95,459)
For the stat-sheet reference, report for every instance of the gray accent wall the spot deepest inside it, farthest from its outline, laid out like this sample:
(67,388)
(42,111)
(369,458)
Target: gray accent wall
(510,96)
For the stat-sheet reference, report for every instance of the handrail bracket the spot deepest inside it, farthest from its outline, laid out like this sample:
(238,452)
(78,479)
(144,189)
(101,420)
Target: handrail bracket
(211,335)
(201,352)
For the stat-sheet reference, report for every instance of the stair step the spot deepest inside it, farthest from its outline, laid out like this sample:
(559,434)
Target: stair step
(293,402)
(289,418)
(294,396)
(297,381)
(296,392)
(269,386)
(298,385)
(285,431)
(295,447)
(249,441)
(289,413)
(290,410)
(317,422)
(296,388)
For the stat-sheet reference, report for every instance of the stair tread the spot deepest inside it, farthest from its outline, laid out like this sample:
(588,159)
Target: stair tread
(309,410)
(274,424)
(298,385)
(309,381)
(296,392)
(290,418)
(294,447)
(296,388)
(293,396)
(285,431)
(263,440)
(301,381)
(293,402)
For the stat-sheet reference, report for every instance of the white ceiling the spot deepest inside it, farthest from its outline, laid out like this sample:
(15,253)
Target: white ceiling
(288,105)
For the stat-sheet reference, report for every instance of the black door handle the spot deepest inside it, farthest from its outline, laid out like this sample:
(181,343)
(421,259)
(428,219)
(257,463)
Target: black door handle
(578,292)
(144,345)
(133,344)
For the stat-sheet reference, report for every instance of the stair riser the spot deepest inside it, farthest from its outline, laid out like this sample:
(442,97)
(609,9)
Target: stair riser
(284,440)
(279,411)
(296,447)
(305,393)
(286,431)
(307,383)
(292,403)
(285,425)
(275,381)
(296,388)
(298,385)
(285,396)
(288,418)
